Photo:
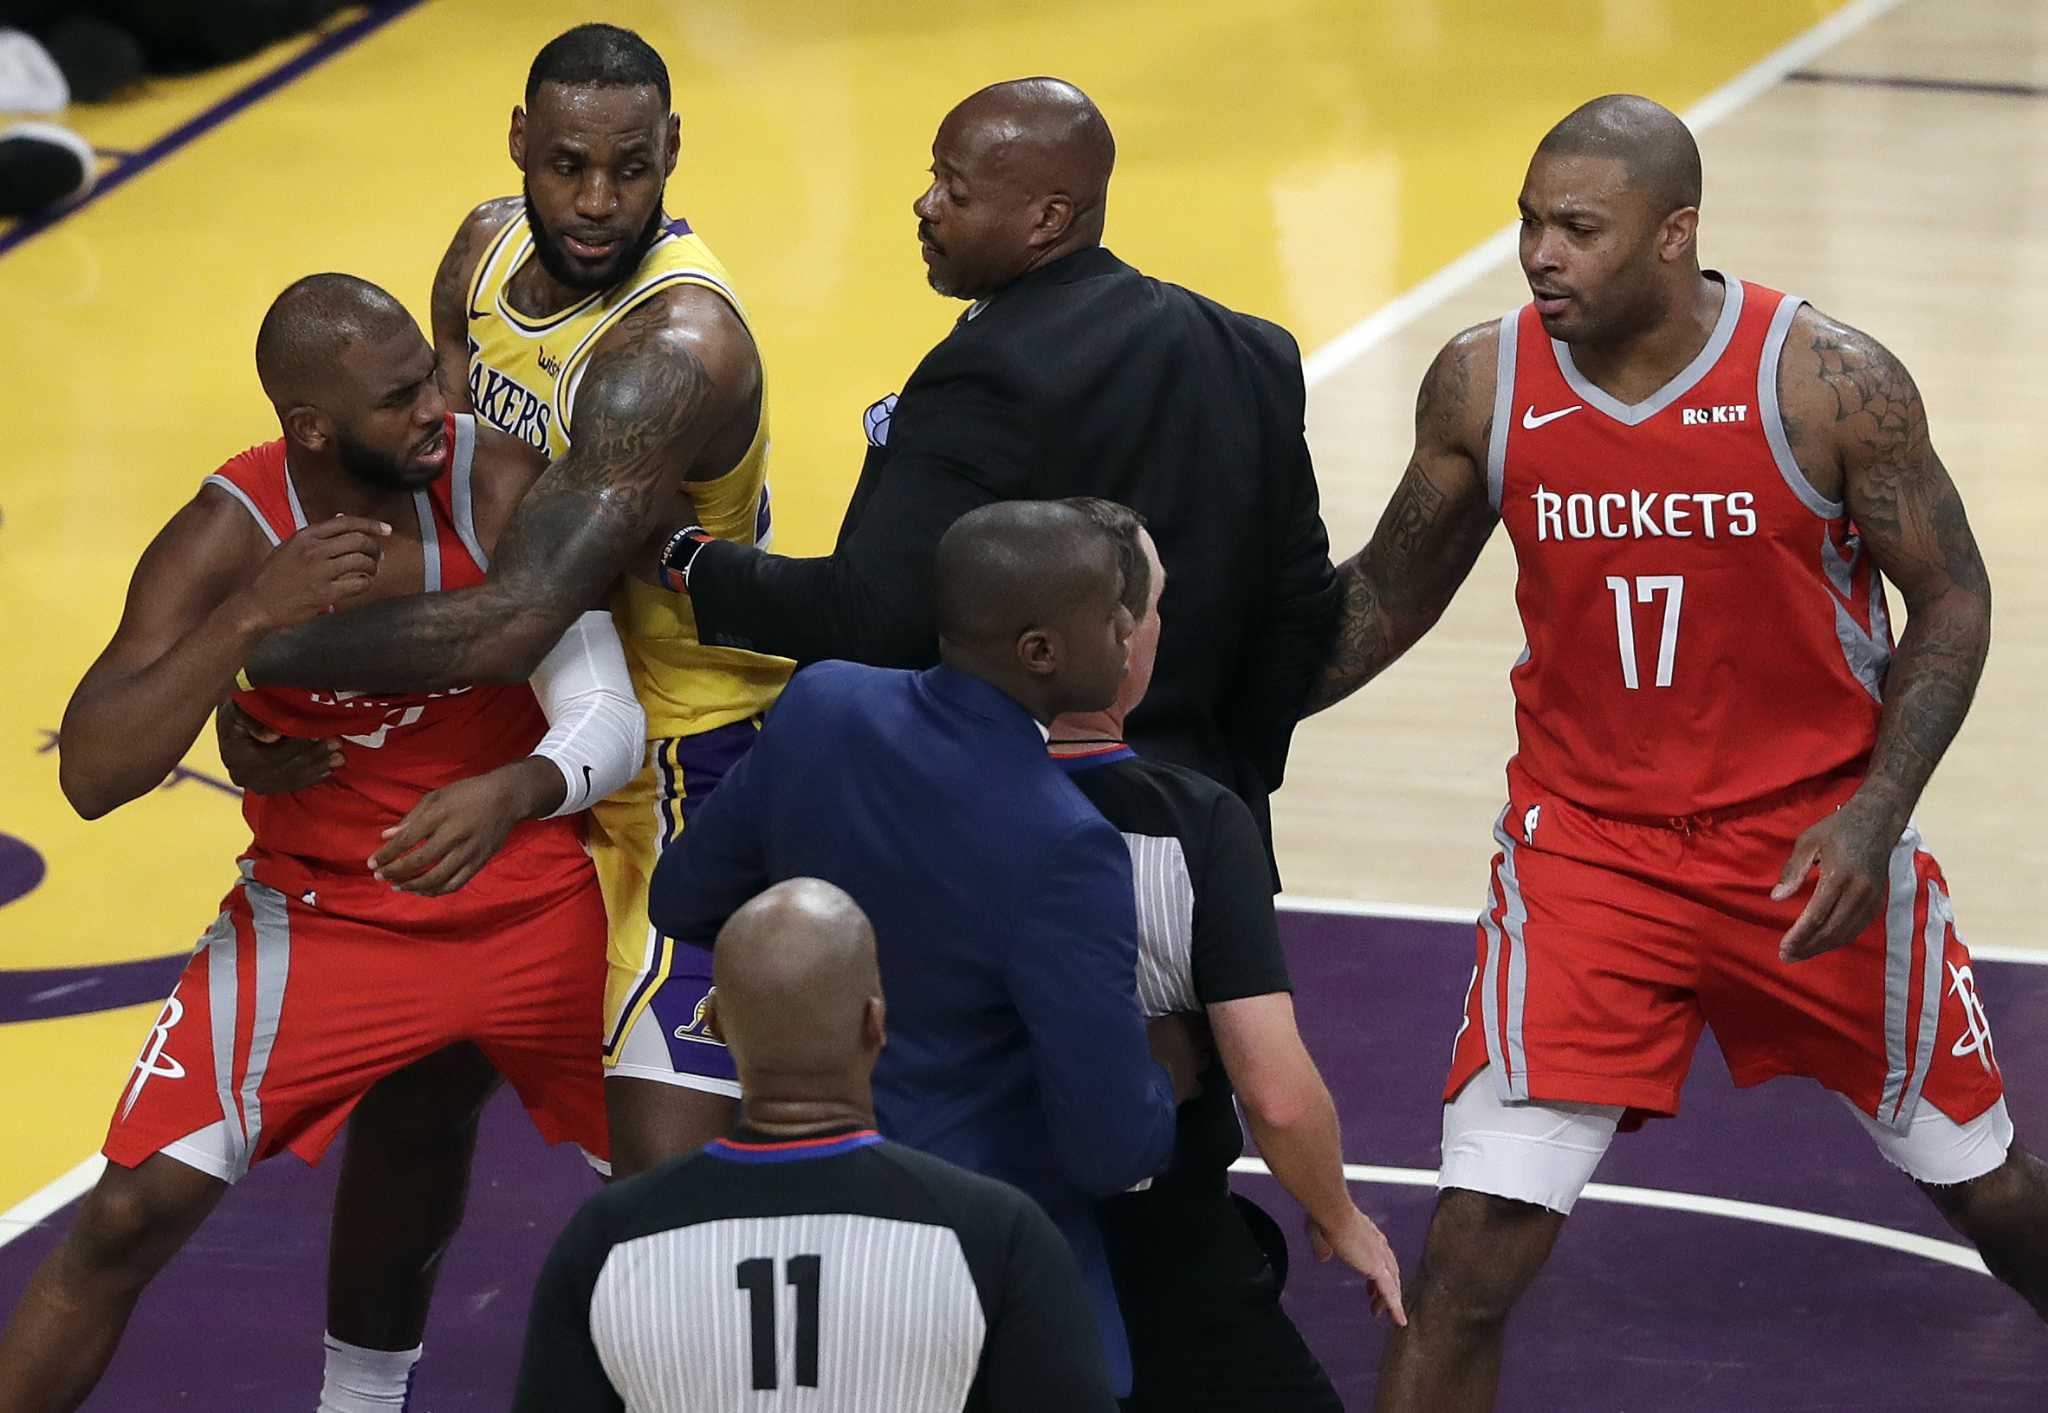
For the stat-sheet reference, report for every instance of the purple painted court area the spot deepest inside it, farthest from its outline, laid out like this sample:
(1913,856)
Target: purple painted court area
(1639,1310)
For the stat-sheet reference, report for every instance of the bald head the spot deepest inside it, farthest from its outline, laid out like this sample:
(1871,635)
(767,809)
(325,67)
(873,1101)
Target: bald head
(796,982)
(1020,177)
(1043,134)
(1650,141)
(311,325)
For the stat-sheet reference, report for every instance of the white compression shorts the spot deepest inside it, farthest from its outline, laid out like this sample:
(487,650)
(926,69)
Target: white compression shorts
(1545,1153)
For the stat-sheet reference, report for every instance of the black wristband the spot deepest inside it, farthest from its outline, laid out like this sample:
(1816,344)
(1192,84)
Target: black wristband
(679,553)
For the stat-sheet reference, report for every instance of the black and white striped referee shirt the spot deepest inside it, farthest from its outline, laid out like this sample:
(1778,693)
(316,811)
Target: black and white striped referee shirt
(837,1273)
(1206,931)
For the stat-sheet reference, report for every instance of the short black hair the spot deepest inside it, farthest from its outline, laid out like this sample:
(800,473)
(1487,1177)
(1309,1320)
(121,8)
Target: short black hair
(1005,568)
(602,55)
(310,323)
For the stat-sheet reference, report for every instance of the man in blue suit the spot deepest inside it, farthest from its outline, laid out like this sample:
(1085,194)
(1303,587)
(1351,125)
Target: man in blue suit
(1001,899)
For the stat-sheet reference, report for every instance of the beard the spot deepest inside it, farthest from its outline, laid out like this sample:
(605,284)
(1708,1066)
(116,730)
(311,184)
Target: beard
(372,468)
(555,260)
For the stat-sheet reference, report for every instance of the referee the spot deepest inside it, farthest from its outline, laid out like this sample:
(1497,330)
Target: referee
(1198,1272)
(805,1262)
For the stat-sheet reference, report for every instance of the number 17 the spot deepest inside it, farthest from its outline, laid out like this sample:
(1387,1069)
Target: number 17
(1643,587)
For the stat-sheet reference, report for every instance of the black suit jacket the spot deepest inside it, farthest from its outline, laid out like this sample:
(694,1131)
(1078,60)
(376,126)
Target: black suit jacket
(1086,378)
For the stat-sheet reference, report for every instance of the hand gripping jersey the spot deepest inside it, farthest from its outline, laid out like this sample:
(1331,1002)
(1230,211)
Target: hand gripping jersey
(397,748)
(1704,629)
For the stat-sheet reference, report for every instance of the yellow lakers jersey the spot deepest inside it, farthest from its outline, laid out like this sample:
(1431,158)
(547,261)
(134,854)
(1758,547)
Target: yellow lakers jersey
(523,375)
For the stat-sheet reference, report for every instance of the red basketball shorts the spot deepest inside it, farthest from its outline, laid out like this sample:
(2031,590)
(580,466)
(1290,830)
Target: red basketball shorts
(1606,945)
(289,1011)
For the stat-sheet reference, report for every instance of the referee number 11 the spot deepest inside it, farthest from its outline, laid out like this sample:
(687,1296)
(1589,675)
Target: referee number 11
(1642,589)
(757,1279)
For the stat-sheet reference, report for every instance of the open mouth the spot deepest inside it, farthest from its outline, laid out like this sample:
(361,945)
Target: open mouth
(433,450)
(591,249)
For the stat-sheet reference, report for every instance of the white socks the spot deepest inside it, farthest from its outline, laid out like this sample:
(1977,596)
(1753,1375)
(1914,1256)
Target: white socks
(358,1380)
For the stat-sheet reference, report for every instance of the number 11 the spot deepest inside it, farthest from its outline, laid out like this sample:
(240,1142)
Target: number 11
(757,1279)
(1627,594)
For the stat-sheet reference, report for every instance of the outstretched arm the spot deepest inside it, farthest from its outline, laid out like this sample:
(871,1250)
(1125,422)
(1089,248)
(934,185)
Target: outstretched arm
(656,389)
(1397,587)
(1855,418)
(970,441)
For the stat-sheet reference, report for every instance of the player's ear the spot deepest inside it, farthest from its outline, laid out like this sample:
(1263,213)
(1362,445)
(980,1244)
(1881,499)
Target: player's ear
(305,426)
(875,1025)
(516,139)
(711,1015)
(1676,236)
(1038,651)
(674,139)
(1055,215)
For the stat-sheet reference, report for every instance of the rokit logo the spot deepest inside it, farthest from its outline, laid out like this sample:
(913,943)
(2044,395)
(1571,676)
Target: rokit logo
(1713,416)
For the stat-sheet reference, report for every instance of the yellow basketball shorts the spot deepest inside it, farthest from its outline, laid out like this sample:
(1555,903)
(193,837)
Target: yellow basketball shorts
(655,987)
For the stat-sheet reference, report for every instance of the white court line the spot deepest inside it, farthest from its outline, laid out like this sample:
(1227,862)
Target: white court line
(29,1213)
(1467,270)
(1351,907)
(1947,1252)
(1428,912)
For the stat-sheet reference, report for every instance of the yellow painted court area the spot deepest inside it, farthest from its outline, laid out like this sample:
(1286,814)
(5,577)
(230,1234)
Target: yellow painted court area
(1305,161)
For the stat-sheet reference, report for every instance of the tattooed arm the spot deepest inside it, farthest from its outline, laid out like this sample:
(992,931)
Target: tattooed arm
(1397,587)
(674,373)
(1857,427)
(450,304)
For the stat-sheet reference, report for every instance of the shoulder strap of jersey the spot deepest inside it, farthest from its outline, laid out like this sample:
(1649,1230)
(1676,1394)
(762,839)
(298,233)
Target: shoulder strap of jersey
(1510,338)
(494,254)
(261,481)
(454,493)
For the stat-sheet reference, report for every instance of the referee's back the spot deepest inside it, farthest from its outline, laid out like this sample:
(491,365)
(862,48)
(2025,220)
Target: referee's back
(827,1270)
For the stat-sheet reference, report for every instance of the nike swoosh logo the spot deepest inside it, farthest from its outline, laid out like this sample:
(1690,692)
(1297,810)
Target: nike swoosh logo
(1531,421)
(586,779)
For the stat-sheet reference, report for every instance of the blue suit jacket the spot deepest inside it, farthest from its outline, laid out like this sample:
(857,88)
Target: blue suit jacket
(1004,919)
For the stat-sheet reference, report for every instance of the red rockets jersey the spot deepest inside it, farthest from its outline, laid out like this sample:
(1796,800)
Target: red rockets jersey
(1704,628)
(397,748)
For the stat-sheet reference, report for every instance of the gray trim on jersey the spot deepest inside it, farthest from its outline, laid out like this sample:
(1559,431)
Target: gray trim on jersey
(430,543)
(1636,413)
(223,987)
(1934,937)
(1503,408)
(291,495)
(900,1323)
(1511,1081)
(273,965)
(1902,891)
(1773,416)
(460,488)
(1868,658)
(1166,925)
(1841,569)
(247,504)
